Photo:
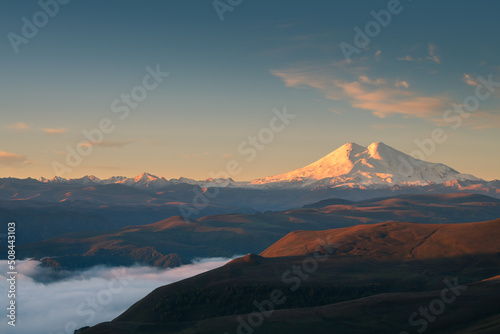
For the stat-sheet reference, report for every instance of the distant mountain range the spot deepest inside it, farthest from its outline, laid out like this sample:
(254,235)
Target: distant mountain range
(351,165)
(144,180)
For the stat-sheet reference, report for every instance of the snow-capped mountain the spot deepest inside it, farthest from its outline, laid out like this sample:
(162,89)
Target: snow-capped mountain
(353,165)
(144,180)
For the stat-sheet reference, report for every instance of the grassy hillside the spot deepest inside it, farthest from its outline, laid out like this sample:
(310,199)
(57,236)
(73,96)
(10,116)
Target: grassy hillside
(356,286)
(174,241)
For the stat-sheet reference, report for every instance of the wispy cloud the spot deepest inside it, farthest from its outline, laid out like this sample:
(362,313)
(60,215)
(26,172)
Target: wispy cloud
(470,80)
(432,54)
(383,97)
(406,58)
(152,141)
(401,83)
(107,143)
(12,159)
(196,156)
(482,120)
(19,126)
(286,25)
(433,50)
(58,131)
(376,82)
(386,126)
(91,168)
(378,96)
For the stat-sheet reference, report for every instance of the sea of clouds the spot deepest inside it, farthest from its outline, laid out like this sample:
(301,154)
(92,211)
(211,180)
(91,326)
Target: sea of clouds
(59,303)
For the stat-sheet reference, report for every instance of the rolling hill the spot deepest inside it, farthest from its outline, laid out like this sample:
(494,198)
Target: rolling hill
(396,241)
(374,280)
(175,241)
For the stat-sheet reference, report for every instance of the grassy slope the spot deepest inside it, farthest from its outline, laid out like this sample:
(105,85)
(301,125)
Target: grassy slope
(394,280)
(173,241)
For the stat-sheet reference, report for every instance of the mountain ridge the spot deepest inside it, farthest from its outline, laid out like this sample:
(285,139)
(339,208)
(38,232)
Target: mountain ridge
(351,165)
(174,238)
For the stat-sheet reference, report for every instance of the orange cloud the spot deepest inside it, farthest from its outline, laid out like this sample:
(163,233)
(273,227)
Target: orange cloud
(482,120)
(55,131)
(12,159)
(377,82)
(470,80)
(335,111)
(406,58)
(196,156)
(402,83)
(386,126)
(376,95)
(432,55)
(423,107)
(19,126)
(107,143)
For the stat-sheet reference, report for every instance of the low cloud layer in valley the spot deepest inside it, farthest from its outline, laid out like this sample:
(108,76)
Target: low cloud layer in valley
(48,303)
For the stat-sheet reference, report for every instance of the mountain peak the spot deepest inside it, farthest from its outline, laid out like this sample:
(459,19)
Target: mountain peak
(58,179)
(376,144)
(378,149)
(146,180)
(346,151)
(352,146)
(145,177)
(356,165)
(89,178)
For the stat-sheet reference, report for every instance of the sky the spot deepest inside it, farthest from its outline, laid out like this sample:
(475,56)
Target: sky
(180,88)
(88,297)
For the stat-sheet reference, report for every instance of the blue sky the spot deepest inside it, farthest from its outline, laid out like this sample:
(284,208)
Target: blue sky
(226,77)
